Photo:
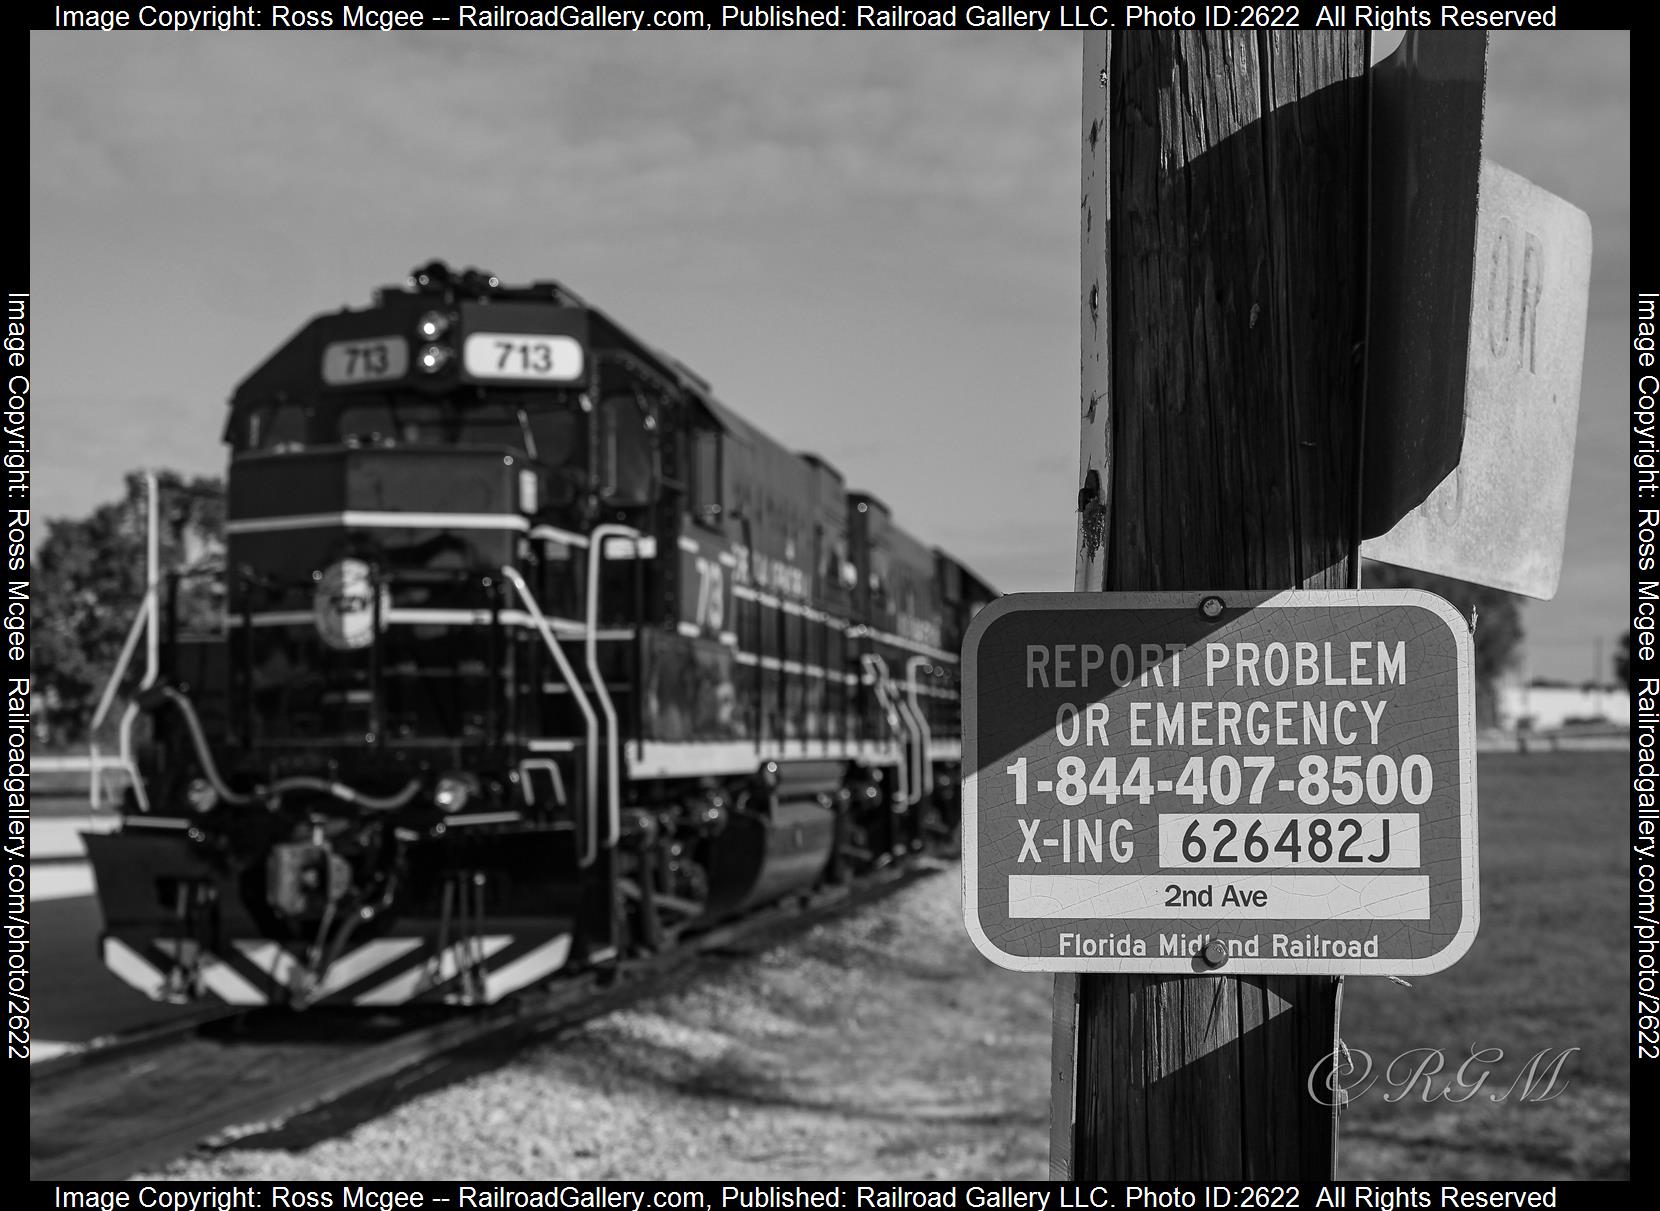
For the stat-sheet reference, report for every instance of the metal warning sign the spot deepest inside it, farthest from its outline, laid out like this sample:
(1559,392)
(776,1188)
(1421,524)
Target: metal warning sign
(1243,782)
(1500,516)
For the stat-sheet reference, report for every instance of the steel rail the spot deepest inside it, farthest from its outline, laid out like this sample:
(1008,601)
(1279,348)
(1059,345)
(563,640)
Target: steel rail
(101,1122)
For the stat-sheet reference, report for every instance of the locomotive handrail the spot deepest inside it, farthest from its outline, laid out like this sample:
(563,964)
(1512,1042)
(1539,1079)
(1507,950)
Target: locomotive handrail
(925,737)
(569,537)
(913,764)
(148,612)
(552,767)
(878,669)
(590,642)
(210,770)
(591,773)
(147,619)
(913,791)
(144,615)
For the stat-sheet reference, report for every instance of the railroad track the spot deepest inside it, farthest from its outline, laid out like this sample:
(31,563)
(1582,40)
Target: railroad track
(115,1048)
(112,1111)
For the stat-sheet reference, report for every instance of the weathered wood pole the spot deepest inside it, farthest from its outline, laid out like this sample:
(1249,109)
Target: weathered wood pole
(1223,221)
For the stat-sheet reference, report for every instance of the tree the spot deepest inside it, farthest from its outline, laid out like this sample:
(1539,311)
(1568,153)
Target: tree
(1622,660)
(89,584)
(1499,634)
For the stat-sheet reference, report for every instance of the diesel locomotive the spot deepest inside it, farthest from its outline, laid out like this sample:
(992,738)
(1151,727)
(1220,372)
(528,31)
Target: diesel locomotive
(532,655)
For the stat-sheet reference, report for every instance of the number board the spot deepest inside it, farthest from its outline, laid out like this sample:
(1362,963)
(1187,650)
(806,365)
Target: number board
(1220,781)
(523,357)
(370,360)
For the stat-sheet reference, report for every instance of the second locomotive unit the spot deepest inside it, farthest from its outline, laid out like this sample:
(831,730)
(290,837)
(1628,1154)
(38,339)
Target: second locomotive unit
(533,654)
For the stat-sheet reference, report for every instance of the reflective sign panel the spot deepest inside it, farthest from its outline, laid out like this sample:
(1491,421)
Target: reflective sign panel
(523,357)
(375,359)
(1236,782)
(1500,516)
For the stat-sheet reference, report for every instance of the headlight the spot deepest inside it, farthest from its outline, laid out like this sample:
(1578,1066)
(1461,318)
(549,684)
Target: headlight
(432,325)
(453,792)
(201,795)
(434,358)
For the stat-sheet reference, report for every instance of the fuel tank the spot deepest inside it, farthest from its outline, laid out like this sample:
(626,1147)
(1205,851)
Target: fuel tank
(779,841)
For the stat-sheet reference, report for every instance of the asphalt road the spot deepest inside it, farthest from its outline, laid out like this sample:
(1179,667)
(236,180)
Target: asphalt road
(75,998)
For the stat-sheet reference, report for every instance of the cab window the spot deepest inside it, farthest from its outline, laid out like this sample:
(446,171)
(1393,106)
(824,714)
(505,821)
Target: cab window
(492,424)
(279,428)
(879,577)
(557,433)
(371,424)
(706,493)
(625,451)
(394,421)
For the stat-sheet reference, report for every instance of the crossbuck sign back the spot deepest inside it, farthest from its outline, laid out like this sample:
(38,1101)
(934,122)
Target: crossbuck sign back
(1243,782)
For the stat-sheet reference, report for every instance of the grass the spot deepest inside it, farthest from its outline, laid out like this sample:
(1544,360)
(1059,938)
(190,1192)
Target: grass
(1550,970)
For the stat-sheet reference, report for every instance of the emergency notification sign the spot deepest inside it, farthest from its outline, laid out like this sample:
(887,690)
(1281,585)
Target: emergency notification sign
(1244,782)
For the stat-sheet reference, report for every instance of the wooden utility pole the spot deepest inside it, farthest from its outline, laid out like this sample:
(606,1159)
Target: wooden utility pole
(1223,224)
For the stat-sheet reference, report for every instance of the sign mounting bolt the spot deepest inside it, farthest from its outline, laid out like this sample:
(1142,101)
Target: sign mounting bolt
(1216,952)
(1211,607)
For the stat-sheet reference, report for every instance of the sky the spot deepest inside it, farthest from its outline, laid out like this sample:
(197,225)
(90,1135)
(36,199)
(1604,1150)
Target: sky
(869,245)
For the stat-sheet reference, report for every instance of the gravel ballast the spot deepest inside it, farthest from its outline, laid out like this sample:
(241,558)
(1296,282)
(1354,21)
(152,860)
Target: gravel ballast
(881,1046)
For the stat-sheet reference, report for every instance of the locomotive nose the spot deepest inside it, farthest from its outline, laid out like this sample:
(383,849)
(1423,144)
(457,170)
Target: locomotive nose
(380,474)
(318,528)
